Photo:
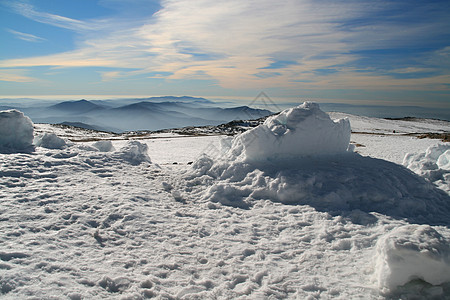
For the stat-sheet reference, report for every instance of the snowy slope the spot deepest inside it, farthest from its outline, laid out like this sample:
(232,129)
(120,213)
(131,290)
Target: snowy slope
(377,125)
(78,223)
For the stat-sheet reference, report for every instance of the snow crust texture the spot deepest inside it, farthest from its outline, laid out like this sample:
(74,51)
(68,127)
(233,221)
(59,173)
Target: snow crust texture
(16,132)
(433,164)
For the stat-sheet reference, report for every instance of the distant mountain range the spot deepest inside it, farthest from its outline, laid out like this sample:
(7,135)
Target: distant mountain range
(140,114)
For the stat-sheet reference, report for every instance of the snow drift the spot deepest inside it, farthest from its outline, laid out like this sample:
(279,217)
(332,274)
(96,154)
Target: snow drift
(16,132)
(104,146)
(301,157)
(412,252)
(433,164)
(133,152)
(49,141)
(98,154)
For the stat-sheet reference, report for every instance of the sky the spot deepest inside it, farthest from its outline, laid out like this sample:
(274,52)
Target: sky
(361,52)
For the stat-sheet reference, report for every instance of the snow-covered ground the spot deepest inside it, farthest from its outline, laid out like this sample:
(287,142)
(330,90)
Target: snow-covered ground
(155,217)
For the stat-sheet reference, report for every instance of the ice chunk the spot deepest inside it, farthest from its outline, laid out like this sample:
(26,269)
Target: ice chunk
(49,141)
(104,146)
(443,162)
(133,152)
(433,164)
(412,252)
(304,130)
(16,132)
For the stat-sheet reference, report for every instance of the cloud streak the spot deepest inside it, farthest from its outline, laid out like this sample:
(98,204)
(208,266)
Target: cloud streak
(15,75)
(28,11)
(26,36)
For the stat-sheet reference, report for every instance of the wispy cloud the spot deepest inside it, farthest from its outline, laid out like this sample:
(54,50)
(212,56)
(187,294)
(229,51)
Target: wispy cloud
(15,75)
(26,36)
(108,76)
(261,44)
(27,10)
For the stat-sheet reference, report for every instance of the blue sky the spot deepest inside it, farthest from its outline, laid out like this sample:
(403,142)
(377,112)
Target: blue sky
(365,52)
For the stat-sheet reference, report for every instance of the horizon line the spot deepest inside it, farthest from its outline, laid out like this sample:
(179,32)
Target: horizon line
(284,100)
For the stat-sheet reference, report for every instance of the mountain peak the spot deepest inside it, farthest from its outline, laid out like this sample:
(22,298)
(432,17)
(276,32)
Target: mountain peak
(82,105)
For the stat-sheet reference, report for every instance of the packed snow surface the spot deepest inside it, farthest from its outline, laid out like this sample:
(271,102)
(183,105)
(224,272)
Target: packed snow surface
(128,219)
(16,132)
(384,126)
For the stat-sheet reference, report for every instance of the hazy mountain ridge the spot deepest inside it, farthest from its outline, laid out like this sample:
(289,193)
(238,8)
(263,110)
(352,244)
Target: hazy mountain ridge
(80,106)
(144,114)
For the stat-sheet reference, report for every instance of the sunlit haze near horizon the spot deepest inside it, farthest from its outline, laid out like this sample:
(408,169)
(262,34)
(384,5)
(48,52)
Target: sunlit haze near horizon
(354,52)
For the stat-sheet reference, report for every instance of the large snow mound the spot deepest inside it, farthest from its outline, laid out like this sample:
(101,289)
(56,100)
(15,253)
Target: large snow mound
(433,164)
(336,183)
(299,172)
(304,130)
(412,252)
(49,141)
(16,132)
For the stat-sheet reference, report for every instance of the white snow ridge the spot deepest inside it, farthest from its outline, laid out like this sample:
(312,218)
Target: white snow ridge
(286,210)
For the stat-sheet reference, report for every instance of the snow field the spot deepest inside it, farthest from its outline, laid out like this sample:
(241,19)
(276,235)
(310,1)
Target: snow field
(82,224)
(92,222)
(389,126)
(376,146)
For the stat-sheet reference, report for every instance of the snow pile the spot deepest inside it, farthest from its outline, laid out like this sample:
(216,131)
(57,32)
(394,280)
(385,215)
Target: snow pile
(433,164)
(409,253)
(104,146)
(16,132)
(133,152)
(300,131)
(50,141)
(331,179)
